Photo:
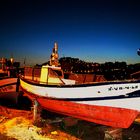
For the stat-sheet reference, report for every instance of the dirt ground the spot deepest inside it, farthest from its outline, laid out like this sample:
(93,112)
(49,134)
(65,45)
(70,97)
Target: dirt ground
(16,123)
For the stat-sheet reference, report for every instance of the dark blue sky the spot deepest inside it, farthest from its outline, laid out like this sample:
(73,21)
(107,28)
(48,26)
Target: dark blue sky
(95,31)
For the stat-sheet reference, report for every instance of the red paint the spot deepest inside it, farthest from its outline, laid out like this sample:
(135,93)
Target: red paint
(110,116)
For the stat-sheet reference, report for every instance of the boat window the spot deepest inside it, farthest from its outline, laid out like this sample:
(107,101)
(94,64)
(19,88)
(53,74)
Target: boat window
(55,73)
(59,73)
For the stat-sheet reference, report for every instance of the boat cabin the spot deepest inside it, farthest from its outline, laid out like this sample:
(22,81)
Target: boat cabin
(51,75)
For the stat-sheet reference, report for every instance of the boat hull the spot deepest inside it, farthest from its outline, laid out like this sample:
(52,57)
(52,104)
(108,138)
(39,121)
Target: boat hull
(115,108)
(111,116)
(8,89)
(104,115)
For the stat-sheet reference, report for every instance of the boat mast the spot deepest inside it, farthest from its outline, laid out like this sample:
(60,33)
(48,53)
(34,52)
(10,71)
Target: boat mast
(54,56)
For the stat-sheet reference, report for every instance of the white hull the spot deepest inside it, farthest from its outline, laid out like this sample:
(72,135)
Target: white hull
(109,94)
(127,103)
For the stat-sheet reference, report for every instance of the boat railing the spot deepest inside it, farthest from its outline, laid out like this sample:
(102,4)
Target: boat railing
(32,73)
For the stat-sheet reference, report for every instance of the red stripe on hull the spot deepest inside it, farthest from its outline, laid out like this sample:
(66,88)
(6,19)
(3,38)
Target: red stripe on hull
(111,116)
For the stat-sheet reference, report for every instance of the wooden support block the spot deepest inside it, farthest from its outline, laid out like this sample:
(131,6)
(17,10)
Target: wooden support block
(113,134)
(69,121)
(35,110)
(137,120)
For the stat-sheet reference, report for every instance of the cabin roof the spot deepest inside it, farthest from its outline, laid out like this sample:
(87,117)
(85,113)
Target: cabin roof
(52,67)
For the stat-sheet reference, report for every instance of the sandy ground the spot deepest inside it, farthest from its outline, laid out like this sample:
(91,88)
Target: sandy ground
(17,123)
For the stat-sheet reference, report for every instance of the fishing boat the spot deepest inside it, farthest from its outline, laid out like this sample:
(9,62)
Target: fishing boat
(9,84)
(8,89)
(111,103)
